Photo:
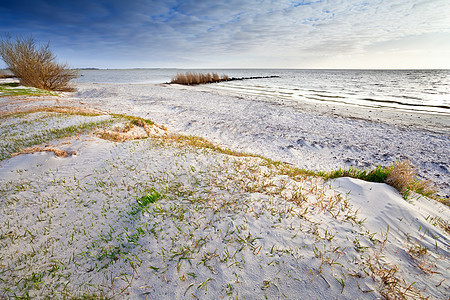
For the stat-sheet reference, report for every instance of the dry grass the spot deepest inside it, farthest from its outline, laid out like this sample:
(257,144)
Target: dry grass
(403,177)
(57,152)
(34,65)
(70,110)
(199,142)
(393,287)
(136,129)
(192,78)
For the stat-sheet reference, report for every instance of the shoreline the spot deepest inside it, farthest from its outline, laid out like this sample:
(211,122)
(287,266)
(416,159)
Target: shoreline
(432,121)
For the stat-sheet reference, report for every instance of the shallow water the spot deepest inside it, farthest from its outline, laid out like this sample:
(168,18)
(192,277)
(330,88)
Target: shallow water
(416,90)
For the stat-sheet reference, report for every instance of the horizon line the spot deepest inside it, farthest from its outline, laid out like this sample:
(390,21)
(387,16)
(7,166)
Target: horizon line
(233,68)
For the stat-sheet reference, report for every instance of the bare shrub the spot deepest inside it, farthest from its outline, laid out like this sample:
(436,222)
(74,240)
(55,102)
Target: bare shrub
(192,78)
(34,65)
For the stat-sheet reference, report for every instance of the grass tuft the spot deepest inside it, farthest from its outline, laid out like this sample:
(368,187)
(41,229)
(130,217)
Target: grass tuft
(68,110)
(403,177)
(150,197)
(199,142)
(13,89)
(134,120)
(9,84)
(379,174)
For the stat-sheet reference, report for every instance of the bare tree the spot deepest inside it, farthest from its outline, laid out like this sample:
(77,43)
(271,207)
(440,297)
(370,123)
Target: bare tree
(35,65)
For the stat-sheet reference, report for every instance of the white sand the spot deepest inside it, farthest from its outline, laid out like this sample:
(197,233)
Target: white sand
(223,226)
(316,138)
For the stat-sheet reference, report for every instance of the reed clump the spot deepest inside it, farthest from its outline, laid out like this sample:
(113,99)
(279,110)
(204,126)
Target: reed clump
(193,78)
(34,65)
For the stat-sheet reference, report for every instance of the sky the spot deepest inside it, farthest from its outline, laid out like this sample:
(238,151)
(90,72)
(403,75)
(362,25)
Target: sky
(302,34)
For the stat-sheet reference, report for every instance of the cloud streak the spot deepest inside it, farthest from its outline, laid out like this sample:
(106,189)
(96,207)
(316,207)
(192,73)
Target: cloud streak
(254,33)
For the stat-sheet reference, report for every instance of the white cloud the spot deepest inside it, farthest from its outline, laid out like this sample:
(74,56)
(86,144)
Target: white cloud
(253,33)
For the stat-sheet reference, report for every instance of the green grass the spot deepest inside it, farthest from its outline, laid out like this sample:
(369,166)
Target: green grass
(12,89)
(9,84)
(150,197)
(379,174)
(405,182)
(66,110)
(141,208)
(134,120)
(16,143)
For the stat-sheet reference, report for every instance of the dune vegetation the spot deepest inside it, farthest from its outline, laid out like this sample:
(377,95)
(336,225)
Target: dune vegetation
(14,89)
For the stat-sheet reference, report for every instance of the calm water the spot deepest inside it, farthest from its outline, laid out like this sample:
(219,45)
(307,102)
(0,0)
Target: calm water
(420,90)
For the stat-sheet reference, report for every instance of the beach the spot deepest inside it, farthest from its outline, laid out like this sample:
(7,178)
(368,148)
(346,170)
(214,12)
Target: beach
(207,202)
(314,136)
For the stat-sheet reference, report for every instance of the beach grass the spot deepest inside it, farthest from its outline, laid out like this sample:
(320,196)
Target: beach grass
(13,89)
(402,175)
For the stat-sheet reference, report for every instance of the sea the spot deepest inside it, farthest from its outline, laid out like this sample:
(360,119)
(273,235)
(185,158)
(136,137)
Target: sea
(425,91)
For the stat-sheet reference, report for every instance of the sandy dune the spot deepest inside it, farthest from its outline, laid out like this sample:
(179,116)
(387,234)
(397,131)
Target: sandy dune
(150,217)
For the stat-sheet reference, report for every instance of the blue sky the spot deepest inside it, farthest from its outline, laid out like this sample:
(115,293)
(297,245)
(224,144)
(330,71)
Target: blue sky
(237,34)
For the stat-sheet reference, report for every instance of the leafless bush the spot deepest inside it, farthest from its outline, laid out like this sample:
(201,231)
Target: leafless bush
(192,78)
(35,64)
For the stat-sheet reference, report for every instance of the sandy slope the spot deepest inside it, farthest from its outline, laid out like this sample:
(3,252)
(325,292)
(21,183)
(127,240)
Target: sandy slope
(154,219)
